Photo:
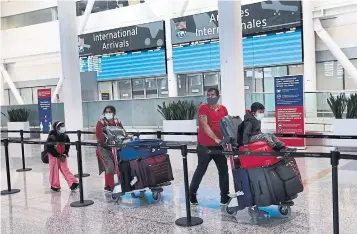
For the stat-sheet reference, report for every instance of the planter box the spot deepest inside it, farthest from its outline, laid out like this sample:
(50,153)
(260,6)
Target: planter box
(180,126)
(345,127)
(18,126)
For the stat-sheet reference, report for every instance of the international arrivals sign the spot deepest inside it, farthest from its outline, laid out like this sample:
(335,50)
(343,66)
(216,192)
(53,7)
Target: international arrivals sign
(131,38)
(257,18)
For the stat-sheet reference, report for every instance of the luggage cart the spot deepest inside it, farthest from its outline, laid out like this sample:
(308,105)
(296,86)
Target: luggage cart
(229,126)
(255,212)
(117,136)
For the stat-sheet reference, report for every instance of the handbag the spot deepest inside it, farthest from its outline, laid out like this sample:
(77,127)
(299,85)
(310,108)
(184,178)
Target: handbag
(44,157)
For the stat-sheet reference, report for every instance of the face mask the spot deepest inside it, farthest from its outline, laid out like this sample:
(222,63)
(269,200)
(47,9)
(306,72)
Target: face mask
(259,116)
(212,100)
(62,130)
(108,115)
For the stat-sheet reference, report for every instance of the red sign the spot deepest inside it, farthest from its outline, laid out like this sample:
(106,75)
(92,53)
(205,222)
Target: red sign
(44,93)
(290,120)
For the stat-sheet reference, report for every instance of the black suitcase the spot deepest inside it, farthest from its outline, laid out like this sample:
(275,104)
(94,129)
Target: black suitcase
(275,184)
(125,176)
(260,188)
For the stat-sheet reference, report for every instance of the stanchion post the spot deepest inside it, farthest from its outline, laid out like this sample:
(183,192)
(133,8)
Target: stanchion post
(335,158)
(79,136)
(159,135)
(81,202)
(23,154)
(9,189)
(187,221)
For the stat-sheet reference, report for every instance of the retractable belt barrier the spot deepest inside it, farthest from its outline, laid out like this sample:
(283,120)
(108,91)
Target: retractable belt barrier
(187,221)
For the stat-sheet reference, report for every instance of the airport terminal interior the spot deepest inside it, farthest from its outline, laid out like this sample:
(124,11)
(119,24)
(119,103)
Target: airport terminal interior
(142,89)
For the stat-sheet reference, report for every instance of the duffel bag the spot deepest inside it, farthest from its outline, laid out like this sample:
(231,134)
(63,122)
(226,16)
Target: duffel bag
(133,150)
(289,173)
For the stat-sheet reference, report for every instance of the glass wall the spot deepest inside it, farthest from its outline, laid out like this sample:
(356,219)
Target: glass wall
(29,95)
(104,5)
(29,18)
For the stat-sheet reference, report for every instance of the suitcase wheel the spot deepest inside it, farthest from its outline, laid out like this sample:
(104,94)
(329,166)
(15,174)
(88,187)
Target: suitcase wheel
(156,195)
(231,211)
(141,194)
(115,197)
(284,210)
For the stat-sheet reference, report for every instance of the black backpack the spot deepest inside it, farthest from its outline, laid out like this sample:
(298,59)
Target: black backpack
(44,154)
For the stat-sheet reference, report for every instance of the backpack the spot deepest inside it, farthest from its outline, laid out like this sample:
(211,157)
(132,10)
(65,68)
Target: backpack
(232,128)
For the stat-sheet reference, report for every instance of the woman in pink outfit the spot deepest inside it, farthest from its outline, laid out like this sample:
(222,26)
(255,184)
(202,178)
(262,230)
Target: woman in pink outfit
(57,157)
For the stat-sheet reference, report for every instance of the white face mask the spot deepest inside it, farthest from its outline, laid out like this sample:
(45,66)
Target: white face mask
(108,115)
(62,130)
(259,116)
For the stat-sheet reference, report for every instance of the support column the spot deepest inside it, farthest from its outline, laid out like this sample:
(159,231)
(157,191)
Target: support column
(73,112)
(11,85)
(309,59)
(231,52)
(171,77)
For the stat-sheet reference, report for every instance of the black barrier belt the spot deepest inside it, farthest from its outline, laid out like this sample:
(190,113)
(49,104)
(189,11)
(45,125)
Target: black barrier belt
(223,152)
(317,136)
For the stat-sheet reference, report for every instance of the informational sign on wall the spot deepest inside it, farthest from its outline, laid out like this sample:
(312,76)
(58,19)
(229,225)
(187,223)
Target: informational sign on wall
(289,108)
(105,95)
(131,38)
(266,16)
(45,109)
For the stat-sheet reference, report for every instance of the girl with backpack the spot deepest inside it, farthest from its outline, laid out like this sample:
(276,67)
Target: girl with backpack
(104,152)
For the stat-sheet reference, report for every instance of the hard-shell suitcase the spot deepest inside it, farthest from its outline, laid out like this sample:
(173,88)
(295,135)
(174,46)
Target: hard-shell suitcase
(130,153)
(156,170)
(242,187)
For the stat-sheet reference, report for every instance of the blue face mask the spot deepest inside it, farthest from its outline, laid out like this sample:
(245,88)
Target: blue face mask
(108,115)
(259,116)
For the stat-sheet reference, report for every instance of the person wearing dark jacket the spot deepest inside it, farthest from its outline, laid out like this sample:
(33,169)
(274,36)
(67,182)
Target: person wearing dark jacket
(252,129)
(57,157)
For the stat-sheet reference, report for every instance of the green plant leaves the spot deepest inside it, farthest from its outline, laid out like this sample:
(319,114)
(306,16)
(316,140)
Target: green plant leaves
(181,110)
(18,115)
(352,107)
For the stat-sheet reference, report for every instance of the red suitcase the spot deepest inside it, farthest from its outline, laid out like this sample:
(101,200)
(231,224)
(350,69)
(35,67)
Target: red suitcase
(156,170)
(258,161)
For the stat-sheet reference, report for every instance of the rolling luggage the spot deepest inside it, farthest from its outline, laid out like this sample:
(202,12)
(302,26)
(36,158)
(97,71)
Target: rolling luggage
(155,170)
(260,189)
(242,187)
(130,153)
(125,176)
(138,181)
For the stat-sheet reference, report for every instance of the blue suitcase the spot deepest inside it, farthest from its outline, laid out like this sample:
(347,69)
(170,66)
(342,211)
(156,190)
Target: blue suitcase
(242,187)
(130,153)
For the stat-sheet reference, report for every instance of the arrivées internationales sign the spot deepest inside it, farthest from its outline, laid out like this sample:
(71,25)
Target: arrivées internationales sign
(132,38)
(257,18)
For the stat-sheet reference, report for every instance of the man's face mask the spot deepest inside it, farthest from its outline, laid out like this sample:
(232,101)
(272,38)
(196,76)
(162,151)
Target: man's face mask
(212,100)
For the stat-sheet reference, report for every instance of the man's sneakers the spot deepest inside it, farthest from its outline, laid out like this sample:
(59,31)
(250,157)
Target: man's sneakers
(193,199)
(74,186)
(224,200)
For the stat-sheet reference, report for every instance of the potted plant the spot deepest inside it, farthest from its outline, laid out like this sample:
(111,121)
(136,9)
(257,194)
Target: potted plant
(179,117)
(341,125)
(18,120)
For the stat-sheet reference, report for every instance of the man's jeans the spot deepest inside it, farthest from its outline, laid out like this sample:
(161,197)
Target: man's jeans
(203,161)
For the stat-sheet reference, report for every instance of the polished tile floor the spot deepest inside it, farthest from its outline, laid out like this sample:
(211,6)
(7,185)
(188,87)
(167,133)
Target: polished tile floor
(38,210)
